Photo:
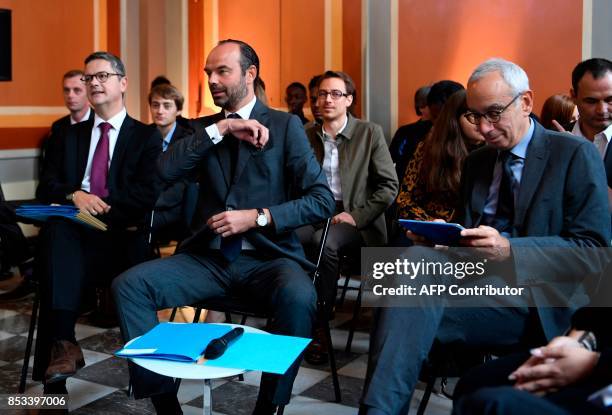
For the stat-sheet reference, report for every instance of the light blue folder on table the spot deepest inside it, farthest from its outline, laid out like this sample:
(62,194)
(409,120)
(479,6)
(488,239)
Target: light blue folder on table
(185,342)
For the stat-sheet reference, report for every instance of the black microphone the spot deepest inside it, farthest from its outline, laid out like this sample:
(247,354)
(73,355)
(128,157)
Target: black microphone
(217,347)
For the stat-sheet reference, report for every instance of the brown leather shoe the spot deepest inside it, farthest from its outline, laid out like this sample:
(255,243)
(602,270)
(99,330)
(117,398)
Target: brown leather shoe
(316,353)
(66,359)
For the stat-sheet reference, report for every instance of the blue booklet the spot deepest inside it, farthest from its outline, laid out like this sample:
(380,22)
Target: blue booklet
(181,342)
(186,342)
(439,233)
(43,212)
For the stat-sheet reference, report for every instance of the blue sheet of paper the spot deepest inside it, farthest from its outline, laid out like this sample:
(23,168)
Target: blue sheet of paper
(266,352)
(182,342)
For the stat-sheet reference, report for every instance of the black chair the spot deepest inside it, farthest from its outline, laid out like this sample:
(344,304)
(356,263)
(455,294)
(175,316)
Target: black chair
(242,306)
(102,295)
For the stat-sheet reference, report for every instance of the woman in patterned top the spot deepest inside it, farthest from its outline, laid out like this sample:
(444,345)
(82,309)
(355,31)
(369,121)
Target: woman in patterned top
(430,186)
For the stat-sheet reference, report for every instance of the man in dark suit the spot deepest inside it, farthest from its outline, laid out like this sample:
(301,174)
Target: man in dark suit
(75,99)
(166,104)
(250,160)
(530,189)
(105,167)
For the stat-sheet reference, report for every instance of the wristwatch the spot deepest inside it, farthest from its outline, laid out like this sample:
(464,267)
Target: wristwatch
(70,197)
(588,341)
(262,219)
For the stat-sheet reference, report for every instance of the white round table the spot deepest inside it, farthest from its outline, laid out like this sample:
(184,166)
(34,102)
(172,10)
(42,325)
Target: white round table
(185,370)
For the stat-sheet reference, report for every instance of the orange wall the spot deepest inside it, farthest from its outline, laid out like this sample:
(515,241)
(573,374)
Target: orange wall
(258,24)
(49,38)
(441,39)
(302,43)
(351,45)
(196,57)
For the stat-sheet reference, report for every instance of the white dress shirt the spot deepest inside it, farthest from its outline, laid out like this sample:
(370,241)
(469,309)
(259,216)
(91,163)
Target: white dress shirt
(113,134)
(85,118)
(601,139)
(245,114)
(331,161)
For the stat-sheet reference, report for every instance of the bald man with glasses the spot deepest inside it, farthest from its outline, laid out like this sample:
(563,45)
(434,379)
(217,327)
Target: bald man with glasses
(531,200)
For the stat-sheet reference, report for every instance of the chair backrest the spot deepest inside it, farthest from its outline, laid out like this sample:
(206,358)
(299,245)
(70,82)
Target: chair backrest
(190,200)
(322,242)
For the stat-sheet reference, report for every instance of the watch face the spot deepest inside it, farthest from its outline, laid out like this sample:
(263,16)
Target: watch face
(262,220)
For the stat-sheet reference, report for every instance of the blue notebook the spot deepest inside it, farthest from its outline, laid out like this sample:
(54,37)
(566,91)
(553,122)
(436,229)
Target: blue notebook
(185,342)
(181,342)
(439,233)
(43,212)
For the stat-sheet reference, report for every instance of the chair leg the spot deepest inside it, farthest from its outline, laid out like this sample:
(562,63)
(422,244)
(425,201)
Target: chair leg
(173,314)
(28,350)
(228,317)
(196,315)
(332,360)
(347,278)
(244,319)
(426,395)
(280,410)
(353,326)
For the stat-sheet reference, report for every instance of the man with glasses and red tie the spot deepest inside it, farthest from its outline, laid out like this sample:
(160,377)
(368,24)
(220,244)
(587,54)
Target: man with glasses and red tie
(106,167)
(531,200)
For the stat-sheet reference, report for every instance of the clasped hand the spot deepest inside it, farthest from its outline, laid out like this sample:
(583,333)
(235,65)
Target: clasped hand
(232,222)
(89,203)
(562,362)
(250,131)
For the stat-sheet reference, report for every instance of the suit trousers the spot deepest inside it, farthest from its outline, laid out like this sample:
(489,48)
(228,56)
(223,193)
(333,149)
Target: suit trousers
(186,278)
(402,337)
(342,238)
(487,390)
(72,257)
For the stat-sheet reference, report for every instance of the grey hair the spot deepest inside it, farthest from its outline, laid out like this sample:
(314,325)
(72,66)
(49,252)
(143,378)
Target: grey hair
(513,75)
(115,62)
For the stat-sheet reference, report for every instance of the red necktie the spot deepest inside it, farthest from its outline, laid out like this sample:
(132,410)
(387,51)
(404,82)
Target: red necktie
(99,165)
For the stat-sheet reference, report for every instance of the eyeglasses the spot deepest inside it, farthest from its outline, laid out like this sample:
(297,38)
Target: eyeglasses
(100,76)
(335,94)
(493,116)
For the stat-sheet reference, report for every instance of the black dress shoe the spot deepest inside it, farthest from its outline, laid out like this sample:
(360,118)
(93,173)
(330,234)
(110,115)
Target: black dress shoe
(264,407)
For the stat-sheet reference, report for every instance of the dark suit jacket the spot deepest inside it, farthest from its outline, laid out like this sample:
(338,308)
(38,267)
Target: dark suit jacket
(562,203)
(58,130)
(263,179)
(132,179)
(404,144)
(169,207)
(608,164)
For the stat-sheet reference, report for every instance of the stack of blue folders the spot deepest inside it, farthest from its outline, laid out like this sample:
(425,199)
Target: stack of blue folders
(43,212)
(186,342)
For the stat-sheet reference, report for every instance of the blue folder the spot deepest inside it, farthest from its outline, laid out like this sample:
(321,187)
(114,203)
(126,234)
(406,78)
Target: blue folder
(439,233)
(181,342)
(185,342)
(41,213)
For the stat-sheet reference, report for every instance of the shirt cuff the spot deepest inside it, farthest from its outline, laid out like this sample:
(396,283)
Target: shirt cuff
(213,133)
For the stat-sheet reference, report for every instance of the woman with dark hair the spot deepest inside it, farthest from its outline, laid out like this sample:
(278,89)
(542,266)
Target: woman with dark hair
(560,109)
(430,186)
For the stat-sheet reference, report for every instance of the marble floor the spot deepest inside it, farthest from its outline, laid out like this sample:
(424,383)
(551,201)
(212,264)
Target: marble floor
(101,386)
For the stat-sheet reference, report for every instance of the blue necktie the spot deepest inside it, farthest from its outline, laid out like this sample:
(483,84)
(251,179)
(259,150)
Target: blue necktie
(232,245)
(504,216)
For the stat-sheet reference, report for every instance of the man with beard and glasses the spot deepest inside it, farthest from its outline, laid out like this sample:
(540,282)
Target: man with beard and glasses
(249,160)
